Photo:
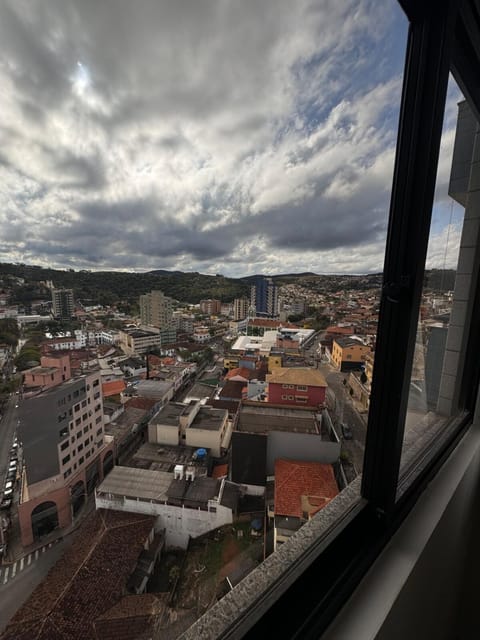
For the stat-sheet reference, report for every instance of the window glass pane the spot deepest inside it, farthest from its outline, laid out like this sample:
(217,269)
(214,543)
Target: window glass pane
(438,349)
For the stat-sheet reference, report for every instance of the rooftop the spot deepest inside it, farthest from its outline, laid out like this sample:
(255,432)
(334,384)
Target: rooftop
(145,484)
(86,582)
(303,487)
(209,419)
(162,457)
(298,376)
(170,413)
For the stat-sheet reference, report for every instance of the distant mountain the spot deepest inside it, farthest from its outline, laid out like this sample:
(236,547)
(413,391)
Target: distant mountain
(111,287)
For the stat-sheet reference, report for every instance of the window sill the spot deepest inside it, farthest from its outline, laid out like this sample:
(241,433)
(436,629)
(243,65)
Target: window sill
(233,615)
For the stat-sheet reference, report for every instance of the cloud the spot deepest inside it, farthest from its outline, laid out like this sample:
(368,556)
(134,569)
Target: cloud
(219,137)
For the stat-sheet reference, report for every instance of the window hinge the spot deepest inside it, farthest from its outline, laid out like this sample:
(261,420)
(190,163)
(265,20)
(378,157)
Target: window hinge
(396,291)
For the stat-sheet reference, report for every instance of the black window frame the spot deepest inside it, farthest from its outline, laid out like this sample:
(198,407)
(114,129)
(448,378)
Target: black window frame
(443,37)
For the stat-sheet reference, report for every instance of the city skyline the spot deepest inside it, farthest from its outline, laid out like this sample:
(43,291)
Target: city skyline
(204,137)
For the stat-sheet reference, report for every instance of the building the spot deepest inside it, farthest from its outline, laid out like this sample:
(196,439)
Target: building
(185,505)
(194,425)
(138,341)
(264,297)
(373,550)
(65,453)
(349,353)
(51,372)
(63,306)
(106,584)
(300,386)
(156,309)
(210,307)
(301,490)
(240,308)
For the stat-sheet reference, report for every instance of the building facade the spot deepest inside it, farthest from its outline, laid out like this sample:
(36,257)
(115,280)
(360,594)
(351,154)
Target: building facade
(349,354)
(156,309)
(133,341)
(240,308)
(63,305)
(264,297)
(210,307)
(305,387)
(65,454)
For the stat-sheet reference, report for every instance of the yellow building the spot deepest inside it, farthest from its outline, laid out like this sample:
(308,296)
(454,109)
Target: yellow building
(349,353)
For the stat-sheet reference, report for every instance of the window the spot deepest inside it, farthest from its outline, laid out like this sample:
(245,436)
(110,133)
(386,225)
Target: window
(388,487)
(96,383)
(64,445)
(84,404)
(84,417)
(63,432)
(99,431)
(81,460)
(98,419)
(67,473)
(301,399)
(80,447)
(78,421)
(96,395)
(302,387)
(87,454)
(76,407)
(66,459)
(85,428)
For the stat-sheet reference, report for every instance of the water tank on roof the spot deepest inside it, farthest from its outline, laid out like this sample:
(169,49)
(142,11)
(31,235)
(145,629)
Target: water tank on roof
(200,453)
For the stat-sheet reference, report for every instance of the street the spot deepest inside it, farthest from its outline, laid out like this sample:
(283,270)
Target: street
(342,409)
(15,590)
(8,424)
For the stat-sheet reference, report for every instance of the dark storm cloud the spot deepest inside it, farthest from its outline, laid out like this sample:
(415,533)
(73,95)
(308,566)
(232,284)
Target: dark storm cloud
(87,172)
(36,67)
(154,131)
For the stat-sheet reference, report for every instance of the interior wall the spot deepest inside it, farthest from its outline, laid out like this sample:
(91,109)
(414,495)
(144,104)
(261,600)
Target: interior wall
(424,584)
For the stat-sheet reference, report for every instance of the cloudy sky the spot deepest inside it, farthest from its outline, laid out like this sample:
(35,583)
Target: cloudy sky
(220,136)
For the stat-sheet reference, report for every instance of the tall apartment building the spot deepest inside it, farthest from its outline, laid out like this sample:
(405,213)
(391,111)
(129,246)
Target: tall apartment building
(264,297)
(210,307)
(65,453)
(156,309)
(240,308)
(62,303)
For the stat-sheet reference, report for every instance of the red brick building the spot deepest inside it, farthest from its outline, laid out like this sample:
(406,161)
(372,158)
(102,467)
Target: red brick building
(302,386)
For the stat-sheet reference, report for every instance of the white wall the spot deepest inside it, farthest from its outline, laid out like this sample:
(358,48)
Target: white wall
(179,523)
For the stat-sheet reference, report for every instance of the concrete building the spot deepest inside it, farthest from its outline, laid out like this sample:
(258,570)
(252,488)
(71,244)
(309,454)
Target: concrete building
(240,308)
(137,341)
(210,307)
(65,453)
(63,306)
(349,353)
(185,506)
(51,372)
(264,297)
(156,309)
(194,425)
(300,386)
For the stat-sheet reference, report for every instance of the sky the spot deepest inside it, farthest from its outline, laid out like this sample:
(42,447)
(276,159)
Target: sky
(216,136)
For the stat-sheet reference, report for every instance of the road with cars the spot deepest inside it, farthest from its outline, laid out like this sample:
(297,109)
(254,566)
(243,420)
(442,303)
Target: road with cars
(8,426)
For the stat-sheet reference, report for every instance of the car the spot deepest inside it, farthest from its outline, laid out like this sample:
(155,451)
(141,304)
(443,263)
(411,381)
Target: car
(346,431)
(8,493)
(6,503)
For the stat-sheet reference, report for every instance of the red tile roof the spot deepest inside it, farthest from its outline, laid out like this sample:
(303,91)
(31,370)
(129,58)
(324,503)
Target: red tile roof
(113,388)
(220,470)
(302,486)
(141,403)
(87,581)
(247,374)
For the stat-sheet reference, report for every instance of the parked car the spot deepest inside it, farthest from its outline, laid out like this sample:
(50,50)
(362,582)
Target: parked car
(346,431)
(6,503)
